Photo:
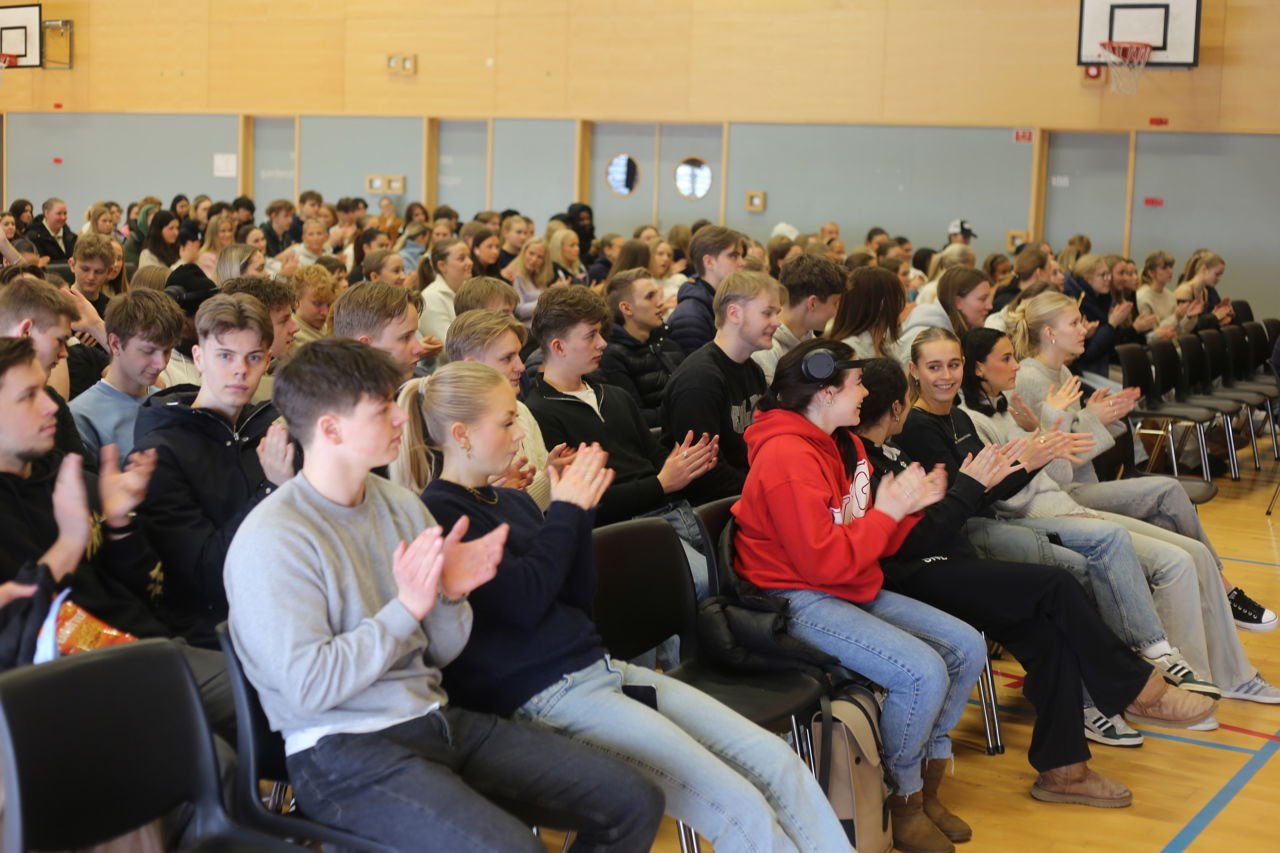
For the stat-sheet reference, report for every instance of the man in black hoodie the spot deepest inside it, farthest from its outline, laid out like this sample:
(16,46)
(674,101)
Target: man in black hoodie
(218,456)
(716,253)
(50,234)
(59,528)
(639,358)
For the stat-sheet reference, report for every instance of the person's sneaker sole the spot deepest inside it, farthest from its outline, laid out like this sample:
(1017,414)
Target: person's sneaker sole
(1207,725)
(1257,627)
(1250,697)
(1122,743)
(1046,796)
(1140,720)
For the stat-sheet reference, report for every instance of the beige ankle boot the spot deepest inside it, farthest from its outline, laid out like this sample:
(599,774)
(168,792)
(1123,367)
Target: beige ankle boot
(1076,783)
(933,770)
(1160,704)
(913,832)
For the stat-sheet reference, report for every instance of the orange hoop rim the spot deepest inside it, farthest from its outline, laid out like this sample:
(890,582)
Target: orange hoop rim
(1132,53)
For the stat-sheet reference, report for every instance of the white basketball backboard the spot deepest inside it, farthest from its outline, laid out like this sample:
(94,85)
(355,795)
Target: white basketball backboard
(1171,27)
(21,35)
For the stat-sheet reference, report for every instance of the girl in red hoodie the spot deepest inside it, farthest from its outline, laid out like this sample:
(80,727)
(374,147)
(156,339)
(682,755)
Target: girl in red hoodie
(809,530)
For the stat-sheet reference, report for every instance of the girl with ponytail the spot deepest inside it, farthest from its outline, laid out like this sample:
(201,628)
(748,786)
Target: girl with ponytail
(535,654)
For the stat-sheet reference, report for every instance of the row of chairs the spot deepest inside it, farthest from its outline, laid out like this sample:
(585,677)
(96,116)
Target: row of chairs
(1210,378)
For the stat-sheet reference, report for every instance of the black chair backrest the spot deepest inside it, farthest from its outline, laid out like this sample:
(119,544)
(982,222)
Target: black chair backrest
(98,744)
(1215,351)
(260,750)
(1259,348)
(1272,325)
(644,592)
(1242,310)
(1137,371)
(715,517)
(63,271)
(1238,362)
(1170,375)
(1196,364)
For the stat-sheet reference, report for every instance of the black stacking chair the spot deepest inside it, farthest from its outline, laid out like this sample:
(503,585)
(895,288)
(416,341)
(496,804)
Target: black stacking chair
(645,595)
(1172,377)
(1260,348)
(1240,368)
(132,716)
(1139,373)
(1272,325)
(1242,310)
(261,758)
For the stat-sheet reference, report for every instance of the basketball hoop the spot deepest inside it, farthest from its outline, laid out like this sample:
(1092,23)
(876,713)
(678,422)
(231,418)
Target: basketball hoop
(1128,59)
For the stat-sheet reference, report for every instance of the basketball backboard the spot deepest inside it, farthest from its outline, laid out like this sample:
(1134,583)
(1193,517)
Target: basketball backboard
(21,35)
(1171,27)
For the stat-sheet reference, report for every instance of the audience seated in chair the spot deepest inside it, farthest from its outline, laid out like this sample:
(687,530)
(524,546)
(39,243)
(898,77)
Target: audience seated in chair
(344,639)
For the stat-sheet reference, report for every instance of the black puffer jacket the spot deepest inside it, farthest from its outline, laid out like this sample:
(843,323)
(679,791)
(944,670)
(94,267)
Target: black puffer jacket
(206,481)
(641,369)
(38,233)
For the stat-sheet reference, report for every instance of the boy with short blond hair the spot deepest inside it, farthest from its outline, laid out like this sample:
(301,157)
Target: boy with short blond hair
(143,327)
(316,292)
(386,318)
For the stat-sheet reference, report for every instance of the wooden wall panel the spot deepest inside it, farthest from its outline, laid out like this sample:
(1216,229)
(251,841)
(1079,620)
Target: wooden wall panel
(926,62)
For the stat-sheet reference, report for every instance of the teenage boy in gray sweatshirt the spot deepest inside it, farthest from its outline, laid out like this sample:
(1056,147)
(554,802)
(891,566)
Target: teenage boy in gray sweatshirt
(346,598)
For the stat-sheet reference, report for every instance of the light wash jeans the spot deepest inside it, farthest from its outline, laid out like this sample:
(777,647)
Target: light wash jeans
(926,659)
(1195,611)
(1113,573)
(735,783)
(1158,500)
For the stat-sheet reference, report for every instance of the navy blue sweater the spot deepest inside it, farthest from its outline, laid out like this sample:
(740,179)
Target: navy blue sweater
(531,625)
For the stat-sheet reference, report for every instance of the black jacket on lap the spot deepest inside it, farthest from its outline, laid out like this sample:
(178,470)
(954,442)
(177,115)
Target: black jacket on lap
(641,369)
(206,481)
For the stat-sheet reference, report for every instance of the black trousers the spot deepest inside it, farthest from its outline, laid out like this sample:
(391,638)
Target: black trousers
(1042,616)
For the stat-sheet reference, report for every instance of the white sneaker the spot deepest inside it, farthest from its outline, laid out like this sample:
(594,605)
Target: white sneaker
(1176,671)
(1256,689)
(1111,731)
(1208,724)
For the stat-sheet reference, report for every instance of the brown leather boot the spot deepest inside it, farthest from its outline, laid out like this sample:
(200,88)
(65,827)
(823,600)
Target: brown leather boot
(913,832)
(1160,704)
(1076,783)
(933,770)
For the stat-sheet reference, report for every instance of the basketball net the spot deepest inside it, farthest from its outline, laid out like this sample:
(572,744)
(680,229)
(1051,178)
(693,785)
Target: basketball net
(1127,59)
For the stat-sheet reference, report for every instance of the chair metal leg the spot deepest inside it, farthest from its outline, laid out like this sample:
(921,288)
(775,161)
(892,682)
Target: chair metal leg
(1274,496)
(569,838)
(987,702)
(1253,438)
(688,839)
(1233,460)
(1271,425)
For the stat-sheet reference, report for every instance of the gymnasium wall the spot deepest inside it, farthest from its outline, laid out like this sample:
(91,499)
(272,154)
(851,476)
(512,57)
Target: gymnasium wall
(984,63)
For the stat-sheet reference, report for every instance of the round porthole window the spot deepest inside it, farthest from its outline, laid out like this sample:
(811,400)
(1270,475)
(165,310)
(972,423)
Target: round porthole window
(693,178)
(622,174)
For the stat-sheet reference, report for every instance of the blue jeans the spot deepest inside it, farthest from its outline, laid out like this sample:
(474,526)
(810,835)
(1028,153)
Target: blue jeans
(926,659)
(424,783)
(732,781)
(1112,573)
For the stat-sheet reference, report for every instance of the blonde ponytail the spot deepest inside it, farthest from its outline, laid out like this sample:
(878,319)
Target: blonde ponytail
(1027,321)
(456,393)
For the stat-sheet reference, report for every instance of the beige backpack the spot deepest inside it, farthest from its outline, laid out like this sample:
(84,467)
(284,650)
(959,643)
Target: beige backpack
(851,767)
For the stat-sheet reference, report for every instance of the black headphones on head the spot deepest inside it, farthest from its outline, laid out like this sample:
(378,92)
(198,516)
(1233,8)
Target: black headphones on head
(819,365)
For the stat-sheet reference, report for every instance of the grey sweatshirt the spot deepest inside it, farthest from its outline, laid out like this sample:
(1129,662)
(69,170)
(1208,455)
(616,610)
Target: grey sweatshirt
(315,619)
(1035,381)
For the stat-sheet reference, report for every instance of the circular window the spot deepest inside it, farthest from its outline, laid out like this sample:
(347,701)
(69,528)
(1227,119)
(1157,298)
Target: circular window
(693,178)
(622,174)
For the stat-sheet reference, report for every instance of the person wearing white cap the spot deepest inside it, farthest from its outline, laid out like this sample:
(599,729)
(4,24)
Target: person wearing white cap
(960,231)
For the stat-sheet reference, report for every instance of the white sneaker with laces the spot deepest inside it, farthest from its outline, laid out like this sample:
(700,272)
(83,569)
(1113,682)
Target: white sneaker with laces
(1256,689)
(1110,731)
(1175,669)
